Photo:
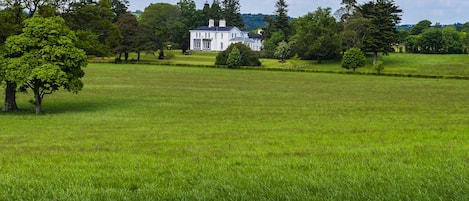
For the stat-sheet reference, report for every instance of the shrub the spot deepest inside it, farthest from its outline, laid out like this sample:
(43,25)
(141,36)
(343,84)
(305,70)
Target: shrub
(353,59)
(234,59)
(248,57)
(379,67)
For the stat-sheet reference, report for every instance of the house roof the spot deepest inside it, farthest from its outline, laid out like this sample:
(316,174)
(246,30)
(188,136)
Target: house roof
(255,36)
(215,28)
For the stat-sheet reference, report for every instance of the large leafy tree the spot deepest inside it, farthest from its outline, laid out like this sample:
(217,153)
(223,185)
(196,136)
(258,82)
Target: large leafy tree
(127,24)
(145,39)
(420,27)
(44,58)
(163,20)
(190,18)
(316,35)
(355,31)
(11,19)
(231,13)
(382,34)
(94,28)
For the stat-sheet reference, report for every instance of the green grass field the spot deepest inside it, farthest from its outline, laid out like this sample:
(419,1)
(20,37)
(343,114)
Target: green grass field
(394,64)
(148,132)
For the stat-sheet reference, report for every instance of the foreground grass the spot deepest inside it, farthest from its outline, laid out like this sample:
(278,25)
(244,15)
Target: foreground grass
(139,132)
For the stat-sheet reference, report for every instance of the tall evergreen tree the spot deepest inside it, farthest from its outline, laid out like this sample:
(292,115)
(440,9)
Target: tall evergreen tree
(206,11)
(119,7)
(231,13)
(215,11)
(382,34)
(281,18)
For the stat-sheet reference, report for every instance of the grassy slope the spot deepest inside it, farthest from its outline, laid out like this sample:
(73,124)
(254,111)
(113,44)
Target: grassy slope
(139,132)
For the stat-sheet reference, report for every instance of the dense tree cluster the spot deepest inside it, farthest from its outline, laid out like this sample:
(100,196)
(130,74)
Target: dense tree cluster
(427,39)
(320,35)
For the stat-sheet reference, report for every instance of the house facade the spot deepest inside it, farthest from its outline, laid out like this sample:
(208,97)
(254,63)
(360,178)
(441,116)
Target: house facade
(218,38)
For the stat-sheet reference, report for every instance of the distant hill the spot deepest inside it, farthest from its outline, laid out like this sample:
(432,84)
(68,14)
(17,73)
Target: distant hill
(255,21)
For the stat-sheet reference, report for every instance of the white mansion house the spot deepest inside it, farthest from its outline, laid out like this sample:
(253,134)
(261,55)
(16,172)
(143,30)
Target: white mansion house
(218,38)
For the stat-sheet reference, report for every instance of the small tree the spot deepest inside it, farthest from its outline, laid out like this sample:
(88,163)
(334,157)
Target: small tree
(44,58)
(353,59)
(234,59)
(283,51)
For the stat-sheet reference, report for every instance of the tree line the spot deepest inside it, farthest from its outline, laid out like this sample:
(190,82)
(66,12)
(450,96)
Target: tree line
(427,39)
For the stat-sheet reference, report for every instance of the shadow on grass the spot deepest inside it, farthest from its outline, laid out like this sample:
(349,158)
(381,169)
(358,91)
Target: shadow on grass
(68,107)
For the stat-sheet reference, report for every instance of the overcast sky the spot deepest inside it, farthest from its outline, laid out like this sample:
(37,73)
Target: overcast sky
(442,11)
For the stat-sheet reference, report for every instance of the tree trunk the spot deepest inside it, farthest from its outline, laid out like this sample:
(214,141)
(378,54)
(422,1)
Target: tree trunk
(126,56)
(161,54)
(375,57)
(138,56)
(38,101)
(10,97)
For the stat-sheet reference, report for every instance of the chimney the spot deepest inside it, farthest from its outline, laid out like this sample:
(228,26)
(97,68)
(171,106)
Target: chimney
(211,23)
(222,23)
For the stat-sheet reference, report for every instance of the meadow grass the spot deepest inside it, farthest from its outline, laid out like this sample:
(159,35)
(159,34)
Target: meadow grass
(147,132)
(456,65)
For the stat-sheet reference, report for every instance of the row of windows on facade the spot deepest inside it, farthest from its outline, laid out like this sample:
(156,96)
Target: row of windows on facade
(209,35)
(207,45)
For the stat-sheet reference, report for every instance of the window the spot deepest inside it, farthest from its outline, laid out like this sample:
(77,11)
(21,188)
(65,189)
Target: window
(221,45)
(207,44)
(197,44)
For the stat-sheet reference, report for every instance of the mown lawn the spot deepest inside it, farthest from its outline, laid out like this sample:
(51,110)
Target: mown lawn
(142,132)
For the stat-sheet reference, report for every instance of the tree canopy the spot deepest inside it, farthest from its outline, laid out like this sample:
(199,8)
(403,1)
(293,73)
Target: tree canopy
(316,35)
(44,58)
(381,35)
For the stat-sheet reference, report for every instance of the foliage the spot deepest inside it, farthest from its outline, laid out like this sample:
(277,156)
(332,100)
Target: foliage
(10,22)
(379,67)
(382,34)
(355,31)
(316,36)
(231,13)
(271,44)
(248,57)
(127,24)
(216,11)
(163,21)
(44,58)
(190,18)
(283,51)
(93,24)
(234,58)
(420,27)
(353,58)
(119,8)
(279,22)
